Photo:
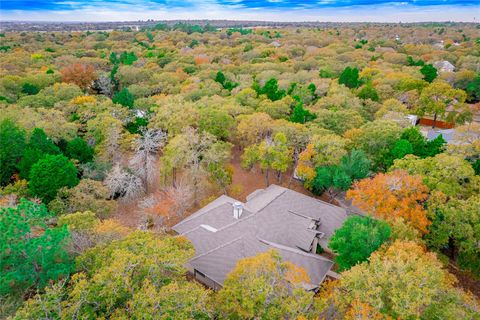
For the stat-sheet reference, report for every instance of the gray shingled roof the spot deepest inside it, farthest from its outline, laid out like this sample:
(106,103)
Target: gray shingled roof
(216,264)
(273,218)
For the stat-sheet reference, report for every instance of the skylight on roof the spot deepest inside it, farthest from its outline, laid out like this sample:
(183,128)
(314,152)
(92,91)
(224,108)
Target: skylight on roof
(209,228)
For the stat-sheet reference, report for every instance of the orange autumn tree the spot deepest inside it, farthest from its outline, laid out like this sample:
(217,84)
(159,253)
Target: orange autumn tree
(80,74)
(391,196)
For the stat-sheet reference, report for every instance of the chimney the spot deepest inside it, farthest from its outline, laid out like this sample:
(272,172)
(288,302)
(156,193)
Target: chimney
(237,209)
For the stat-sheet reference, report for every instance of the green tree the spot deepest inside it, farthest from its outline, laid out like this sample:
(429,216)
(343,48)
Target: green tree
(217,122)
(434,147)
(265,287)
(376,139)
(139,276)
(328,177)
(127,58)
(455,230)
(31,252)
(50,174)
(388,286)
(473,89)
(301,115)
(416,139)
(124,97)
(78,149)
(368,92)
(350,78)
(400,149)
(429,72)
(30,89)
(270,89)
(87,195)
(353,166)
(12,146)
(449,174)
(358,237)
(270,155)
(439,98)
(38,146)
(356,165)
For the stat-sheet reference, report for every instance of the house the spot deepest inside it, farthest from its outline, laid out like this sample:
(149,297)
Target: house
(292,223)
(451,136)
(447,134)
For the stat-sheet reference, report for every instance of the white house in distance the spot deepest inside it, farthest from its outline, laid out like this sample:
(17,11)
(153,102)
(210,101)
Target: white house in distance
(444,66)
(292,223)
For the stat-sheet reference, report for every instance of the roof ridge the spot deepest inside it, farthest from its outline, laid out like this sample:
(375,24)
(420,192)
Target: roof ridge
(316,199)
(279,246)
(237,221)
(191,217)
(252,214)
(216,248)
(275,198)
(302,215)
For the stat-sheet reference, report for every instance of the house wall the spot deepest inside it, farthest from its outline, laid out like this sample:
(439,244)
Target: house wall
(201,277)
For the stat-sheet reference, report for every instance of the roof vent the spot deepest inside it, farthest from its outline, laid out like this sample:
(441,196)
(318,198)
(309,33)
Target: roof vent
(237,209)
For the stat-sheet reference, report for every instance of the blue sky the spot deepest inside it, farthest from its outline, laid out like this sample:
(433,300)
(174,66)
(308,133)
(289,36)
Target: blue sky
(277,10)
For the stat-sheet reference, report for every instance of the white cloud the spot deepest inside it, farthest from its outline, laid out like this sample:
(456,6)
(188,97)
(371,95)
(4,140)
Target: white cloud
(210,9)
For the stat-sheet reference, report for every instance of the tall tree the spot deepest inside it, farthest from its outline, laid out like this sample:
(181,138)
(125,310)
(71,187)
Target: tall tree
(455,230)
(270,155)
(264,287)
(12,146)
(439,98)
(429,72)
(449,174)
(80,74)
(146,149)
(31,252)
(78,149)
(50,174)
(376,139)
(124,184)
(350,78)
(322,150)
(391,196)
(388,286)
(194,152)
(39,145)
(127,279)
(124,97)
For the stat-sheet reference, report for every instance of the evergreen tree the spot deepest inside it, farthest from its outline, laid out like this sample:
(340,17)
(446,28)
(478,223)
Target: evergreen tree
(357,239)
(350,78)
(50,174)
(12,146)
(31,252)
(124,97)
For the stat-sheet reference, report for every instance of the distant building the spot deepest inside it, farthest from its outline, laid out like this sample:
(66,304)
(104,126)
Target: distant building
(226,230)
(439,45)
(444,66)
(447,134)
(451,136)
(276,44)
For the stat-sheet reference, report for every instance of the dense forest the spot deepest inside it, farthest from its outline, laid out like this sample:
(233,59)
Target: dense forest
(108,138)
